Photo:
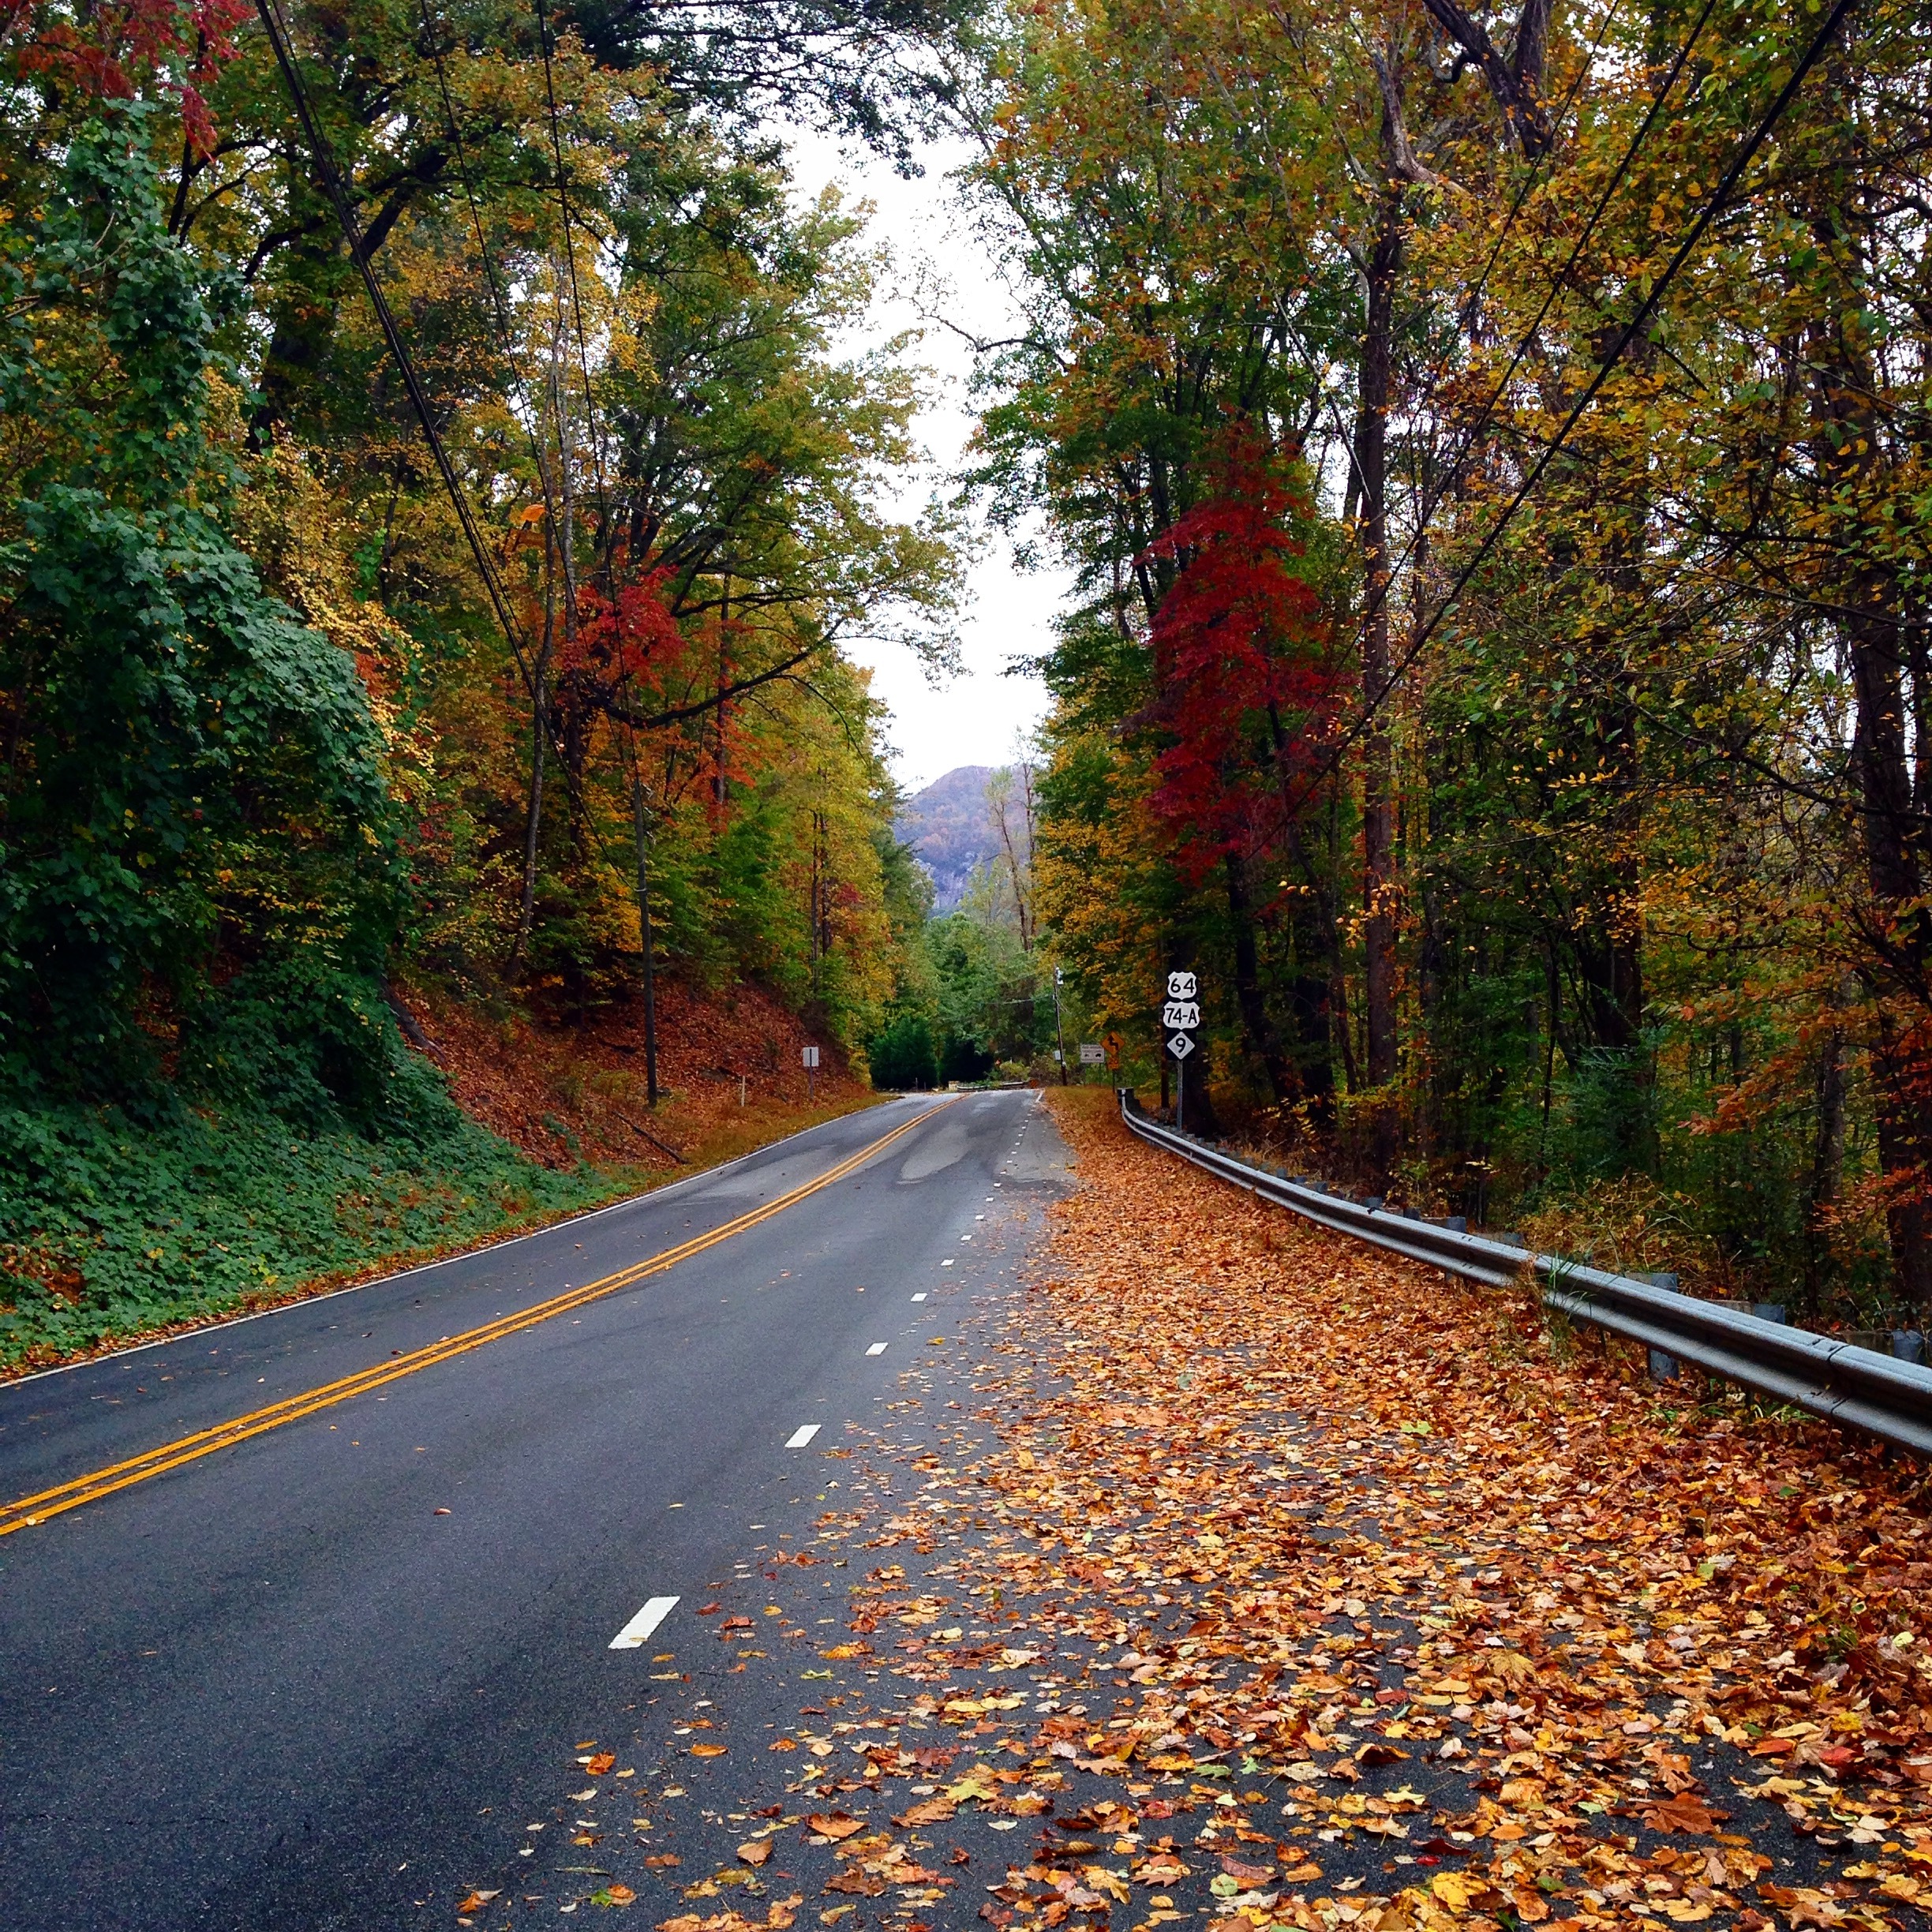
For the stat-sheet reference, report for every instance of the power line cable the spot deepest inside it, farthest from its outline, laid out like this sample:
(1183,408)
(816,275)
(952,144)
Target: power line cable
(1378,592)
(569,258)
(1524,188)
(281,41)
(323,153)
(324,157)
(1530,179)
(1712,208)
(499,294)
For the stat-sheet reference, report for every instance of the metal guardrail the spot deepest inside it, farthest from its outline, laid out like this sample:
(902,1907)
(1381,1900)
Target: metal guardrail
(1879,1393)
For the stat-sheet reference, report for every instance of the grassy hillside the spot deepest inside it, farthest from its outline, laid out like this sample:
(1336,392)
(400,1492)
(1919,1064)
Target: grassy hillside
(112,1228)
(114,1225)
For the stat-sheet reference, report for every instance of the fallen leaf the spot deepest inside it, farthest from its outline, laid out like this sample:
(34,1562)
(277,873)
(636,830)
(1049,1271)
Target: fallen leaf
(1379,1755)
(931,1811)
(1683,1813)
(1250,1875)
(835,1824)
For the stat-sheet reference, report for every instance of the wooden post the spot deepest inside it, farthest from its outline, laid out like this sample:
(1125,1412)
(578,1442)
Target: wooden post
(644,929)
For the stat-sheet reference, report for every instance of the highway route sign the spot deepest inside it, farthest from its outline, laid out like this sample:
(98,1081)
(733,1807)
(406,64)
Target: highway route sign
(1180,1045)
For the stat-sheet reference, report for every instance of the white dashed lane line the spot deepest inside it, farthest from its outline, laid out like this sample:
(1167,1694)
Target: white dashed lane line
(878,1348)
(637,1632)
(918,1298)
(799,1437)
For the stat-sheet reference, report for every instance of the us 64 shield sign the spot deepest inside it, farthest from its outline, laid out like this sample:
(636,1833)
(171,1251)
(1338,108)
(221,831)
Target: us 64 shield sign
(1180,1017)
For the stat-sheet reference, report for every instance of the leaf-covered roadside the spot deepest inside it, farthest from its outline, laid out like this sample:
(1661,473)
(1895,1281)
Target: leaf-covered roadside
(1236,1571)
(1421,1532)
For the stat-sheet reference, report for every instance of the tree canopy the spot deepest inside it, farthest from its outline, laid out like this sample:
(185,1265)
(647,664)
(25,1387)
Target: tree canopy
(437,500)
(1534,395)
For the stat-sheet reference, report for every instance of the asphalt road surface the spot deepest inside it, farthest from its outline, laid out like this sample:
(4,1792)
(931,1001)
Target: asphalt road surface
(296,1672)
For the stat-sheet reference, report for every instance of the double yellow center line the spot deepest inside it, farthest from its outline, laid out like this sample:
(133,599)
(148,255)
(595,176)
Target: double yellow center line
(30,1511)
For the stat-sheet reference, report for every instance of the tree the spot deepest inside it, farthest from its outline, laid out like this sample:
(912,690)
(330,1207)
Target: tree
(196,815)
(1608,875)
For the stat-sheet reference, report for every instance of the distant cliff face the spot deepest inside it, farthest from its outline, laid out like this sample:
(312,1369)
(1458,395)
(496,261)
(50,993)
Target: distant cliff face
(948,826)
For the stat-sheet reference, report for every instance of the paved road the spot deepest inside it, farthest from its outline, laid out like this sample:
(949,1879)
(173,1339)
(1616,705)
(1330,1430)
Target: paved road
(298,1682)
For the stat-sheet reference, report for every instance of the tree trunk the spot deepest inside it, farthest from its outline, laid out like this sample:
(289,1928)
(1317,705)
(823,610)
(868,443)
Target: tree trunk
(1849,446)
(640,827)
(718,791)
(1263,1042)
(1378,884)
(540,733)
(1827,1164)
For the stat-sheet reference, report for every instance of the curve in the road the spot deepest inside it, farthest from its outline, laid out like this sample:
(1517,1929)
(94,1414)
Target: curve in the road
(29,1512)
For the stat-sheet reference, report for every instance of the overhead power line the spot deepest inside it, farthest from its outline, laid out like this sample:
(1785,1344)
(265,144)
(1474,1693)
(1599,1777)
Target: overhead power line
(279,40)
(1714,205)
(499,297)
(352,233)
(323,154)
(569,258)
(1378,592)
(1524,188)
(1528,181)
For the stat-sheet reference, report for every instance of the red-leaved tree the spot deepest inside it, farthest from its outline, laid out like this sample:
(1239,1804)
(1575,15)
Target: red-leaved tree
(1243,666)
(125,49)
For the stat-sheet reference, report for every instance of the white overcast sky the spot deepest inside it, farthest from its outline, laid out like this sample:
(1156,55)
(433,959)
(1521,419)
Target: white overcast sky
(978,716)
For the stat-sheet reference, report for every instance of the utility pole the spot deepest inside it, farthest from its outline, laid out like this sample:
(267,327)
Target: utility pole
(1059,1031)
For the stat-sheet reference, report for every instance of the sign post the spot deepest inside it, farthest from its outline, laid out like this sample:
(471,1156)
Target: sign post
(811,1073)
(1181,1020)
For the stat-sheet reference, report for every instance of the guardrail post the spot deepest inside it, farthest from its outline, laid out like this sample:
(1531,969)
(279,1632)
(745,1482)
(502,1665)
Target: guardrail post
(1664,1368)
(1908,1344)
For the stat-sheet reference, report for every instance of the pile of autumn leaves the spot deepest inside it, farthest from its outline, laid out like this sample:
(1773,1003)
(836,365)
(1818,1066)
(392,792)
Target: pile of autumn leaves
(1391,1611)
(1582,1597)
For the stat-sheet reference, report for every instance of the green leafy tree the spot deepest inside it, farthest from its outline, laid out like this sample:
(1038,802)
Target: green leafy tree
(194,812)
